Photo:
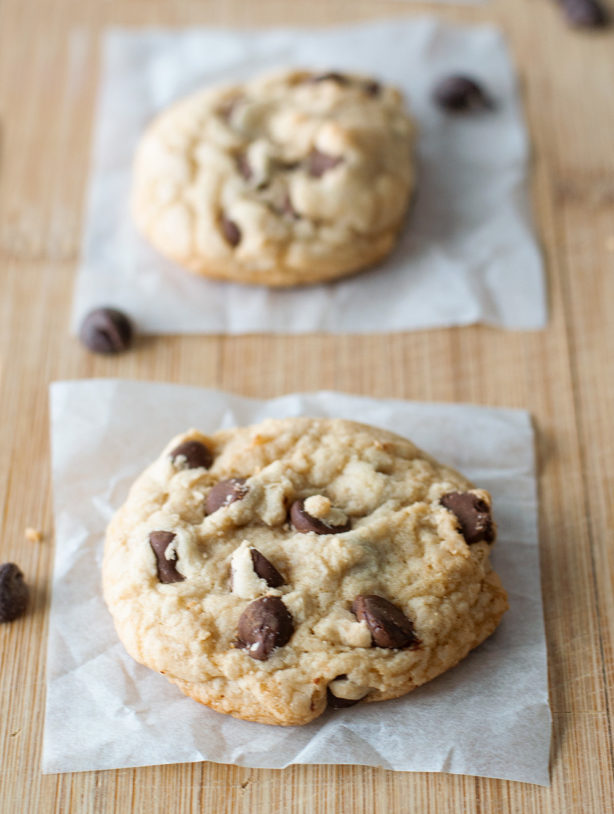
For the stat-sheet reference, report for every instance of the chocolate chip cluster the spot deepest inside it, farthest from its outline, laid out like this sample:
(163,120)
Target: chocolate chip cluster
(266,623)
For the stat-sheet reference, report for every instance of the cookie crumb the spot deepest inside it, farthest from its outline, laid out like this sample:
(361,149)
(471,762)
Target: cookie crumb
(33,535)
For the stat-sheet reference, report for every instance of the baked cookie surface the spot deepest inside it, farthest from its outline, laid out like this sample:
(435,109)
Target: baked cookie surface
(272,570)
(289,179)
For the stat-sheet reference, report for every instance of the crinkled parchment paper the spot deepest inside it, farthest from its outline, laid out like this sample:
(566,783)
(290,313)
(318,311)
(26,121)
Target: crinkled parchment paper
(487,716)
(467,254)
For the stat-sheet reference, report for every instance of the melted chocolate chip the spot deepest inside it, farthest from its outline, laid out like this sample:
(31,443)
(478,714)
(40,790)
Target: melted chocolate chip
(334,702)
(195,453)
(473,515)
(389,627)
(245,168)
(266,570)
(14,592)
(167,570)
(231,231)
(264,625)
(304,522)
(318,163)
(585,13)
(106,330)
(340,703)
(287,208)
(227,108)
(460,94)
(224,493)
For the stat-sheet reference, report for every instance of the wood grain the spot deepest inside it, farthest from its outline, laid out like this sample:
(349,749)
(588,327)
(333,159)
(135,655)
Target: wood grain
(48,78)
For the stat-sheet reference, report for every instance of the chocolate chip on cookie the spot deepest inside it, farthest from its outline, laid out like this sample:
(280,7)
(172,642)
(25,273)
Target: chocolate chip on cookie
(265,624)
(244,167)
(459,93)
(14,592)
(318,162)
(265,569)
(167,569)
(305,522)
(106,330)
(231,231)
(473,515)
(334,701)
(192,454)
(584,13)
(372,88)
(224,493)
(388,625)
(331,76)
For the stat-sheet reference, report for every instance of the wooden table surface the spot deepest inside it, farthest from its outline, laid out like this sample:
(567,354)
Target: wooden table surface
(47,96)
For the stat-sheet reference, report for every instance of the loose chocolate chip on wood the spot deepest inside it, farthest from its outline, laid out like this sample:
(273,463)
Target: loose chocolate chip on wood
(318,163)
(194,453)
(461,93)
(264,625)
(167,570)
(231,231)
(473,515)
(14,592)
(304,522)
(266,570)
(224,493)
(584,13)
(106,330)
(389,627)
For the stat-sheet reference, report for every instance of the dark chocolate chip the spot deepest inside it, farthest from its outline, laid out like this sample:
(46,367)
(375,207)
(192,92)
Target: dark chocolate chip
(266,570)
(106,330)
(318,163)
(227,108)
(340,703)
(287,208)
(14,592)
(304,522)
(331,76)
(264,625)
(167,570)
(334,702)
(388,625)
(473,515)
(245,168)
(461,93)
(372,88)
(585,13)
(224,493)
(195,453)
(231,231)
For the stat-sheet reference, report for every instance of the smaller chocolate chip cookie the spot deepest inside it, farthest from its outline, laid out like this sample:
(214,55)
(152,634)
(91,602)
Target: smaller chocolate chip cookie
(292,178)
(274,570)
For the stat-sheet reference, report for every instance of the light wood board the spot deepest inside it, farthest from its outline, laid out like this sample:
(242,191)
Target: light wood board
(563,375)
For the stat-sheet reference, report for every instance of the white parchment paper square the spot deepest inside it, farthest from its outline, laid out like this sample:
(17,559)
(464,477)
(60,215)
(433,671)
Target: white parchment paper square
(467,253)
(488,716)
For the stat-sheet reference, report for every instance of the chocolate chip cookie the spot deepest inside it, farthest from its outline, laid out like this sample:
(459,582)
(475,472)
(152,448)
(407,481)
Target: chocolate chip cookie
(292,178)
(274,570)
